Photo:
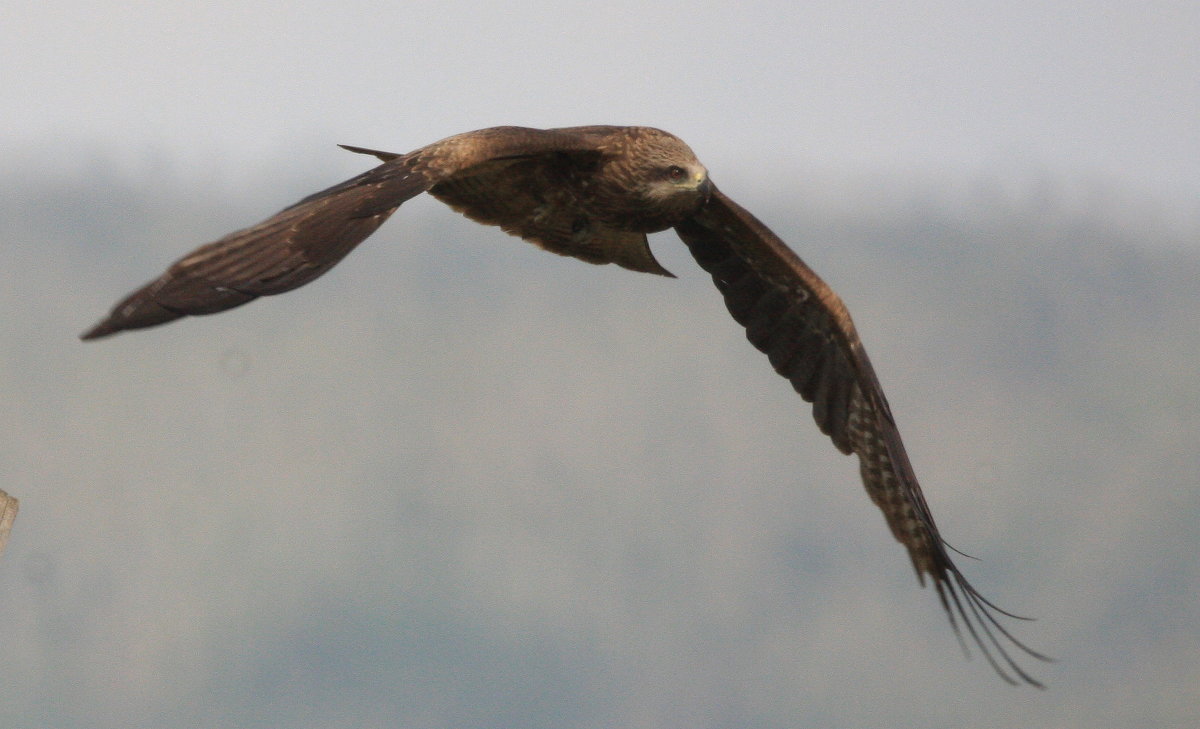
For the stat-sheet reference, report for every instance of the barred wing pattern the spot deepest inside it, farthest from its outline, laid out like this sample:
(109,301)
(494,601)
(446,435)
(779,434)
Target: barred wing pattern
(803,327)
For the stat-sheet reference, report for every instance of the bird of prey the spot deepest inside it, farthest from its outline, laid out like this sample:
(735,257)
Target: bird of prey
(594,193)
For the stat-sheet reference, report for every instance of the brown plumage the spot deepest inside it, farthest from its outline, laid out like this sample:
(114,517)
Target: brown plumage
(594,193)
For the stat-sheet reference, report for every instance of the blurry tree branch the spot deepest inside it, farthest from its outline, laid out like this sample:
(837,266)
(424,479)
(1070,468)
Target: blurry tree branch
(8,512)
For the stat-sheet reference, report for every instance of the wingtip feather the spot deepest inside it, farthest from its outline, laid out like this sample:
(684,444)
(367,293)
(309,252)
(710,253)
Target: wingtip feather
(105,328)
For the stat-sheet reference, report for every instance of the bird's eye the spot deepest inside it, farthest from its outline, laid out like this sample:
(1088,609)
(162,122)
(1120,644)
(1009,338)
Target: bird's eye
(676,174)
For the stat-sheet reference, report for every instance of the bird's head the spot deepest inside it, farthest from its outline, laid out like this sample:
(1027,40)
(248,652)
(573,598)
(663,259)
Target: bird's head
(669,168)
(668,181)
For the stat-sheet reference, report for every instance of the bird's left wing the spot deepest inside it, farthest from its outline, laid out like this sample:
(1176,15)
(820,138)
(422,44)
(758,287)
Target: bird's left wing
(303,241)
(793,316)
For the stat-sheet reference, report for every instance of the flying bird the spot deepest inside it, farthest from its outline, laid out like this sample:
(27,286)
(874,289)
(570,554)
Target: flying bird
(594,193)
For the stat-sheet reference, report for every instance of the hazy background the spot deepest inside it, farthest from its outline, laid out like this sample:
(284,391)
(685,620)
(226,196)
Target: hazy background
(459,482)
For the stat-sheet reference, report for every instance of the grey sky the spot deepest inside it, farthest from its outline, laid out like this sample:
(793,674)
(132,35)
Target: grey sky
(1090,93)
(462,482)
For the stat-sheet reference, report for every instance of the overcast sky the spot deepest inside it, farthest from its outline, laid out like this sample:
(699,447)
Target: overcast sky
(461,482)
(1092,94)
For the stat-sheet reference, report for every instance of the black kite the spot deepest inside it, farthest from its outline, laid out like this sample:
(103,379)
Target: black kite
(594,193)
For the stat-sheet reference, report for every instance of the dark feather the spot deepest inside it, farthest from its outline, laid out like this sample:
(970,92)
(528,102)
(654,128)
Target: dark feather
(594,193)
(507,176)
(800,323)
(282,253)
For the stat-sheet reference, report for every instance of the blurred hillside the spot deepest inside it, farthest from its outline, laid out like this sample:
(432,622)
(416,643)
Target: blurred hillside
(462,482)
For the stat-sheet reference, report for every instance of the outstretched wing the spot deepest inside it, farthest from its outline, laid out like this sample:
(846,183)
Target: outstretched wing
(803,327)
(301,242)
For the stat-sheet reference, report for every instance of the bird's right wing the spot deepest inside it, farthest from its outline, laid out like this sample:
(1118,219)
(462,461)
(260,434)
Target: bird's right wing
(289,249)
(301,242)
